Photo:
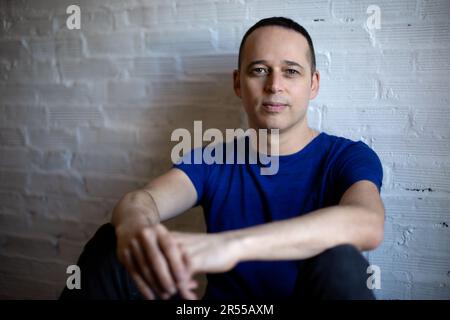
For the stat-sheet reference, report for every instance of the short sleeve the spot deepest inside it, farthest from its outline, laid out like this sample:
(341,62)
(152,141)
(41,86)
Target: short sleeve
(356,162)
(196,171)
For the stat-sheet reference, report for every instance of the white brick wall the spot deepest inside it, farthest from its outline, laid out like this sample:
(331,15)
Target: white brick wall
(86,115)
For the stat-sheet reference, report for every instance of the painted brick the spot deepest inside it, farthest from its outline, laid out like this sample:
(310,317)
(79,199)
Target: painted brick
(86,115)
(37,72)
(395,120)
(52,139)
(75,117)
(109,187)
(68,46)
(88,69)
(42,49)
(148,67)
(11,137)
(122,44)
(127,91)
(14,157)
(179,41)
(224,63)
(107,139)
(55,184)
(142,17)
(30,289)
(303,11)
(433,61)
(17,94)
(39,226)
(100,162)
(70,94)
(234,10)
(12,49)
(408,35)
(13,180)
(29,116)
(195,12)
(356,11)
(434,10)
(52,160)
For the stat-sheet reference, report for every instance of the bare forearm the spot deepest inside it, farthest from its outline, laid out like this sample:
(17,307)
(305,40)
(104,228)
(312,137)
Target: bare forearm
(136,206)
(308,235)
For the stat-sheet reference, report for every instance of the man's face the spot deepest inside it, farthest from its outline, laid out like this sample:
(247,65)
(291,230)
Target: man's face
(274,81)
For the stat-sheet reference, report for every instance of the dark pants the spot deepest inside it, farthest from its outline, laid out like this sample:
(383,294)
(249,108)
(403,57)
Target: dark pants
(337,273)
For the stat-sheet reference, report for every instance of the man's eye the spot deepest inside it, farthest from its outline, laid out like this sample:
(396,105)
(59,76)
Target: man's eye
(292,72)
(259,71)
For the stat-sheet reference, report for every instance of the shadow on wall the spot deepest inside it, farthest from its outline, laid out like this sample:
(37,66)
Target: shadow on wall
(86,116)
(211,103)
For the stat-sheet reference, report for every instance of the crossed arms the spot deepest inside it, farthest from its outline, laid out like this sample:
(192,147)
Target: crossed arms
(163,262)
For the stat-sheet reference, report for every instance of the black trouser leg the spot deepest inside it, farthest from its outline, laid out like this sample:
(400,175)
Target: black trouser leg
(102,275)
(337,273)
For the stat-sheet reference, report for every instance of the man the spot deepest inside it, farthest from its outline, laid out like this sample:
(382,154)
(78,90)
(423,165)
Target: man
(295,234)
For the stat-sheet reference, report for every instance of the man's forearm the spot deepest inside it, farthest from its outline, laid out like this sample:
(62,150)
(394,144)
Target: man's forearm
(308,235)
(137,205)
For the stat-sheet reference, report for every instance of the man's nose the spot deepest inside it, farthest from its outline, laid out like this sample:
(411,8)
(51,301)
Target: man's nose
(274,82)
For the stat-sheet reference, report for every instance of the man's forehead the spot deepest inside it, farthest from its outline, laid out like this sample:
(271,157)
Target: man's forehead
(269,39)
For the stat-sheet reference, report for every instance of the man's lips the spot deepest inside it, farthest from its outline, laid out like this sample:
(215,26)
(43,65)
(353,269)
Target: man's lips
(274,106)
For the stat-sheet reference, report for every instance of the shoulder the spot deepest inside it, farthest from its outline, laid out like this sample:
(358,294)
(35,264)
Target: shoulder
(339,145)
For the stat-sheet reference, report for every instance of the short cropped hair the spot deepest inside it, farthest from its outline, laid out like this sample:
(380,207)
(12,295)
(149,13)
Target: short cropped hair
(284,23)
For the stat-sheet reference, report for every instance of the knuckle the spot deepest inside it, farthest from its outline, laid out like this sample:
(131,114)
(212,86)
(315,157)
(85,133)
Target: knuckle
(147,234)
(168,242)
(160,228)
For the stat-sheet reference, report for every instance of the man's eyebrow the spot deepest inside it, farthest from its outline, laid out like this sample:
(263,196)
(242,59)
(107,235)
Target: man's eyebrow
(256,62)
(293,63)
(288,62)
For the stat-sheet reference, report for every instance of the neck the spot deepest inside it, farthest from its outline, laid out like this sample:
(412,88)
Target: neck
(296,138)
(291,140)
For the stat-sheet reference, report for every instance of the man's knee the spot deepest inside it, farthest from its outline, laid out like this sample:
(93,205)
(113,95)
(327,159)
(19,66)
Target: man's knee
(101,248)
(342,254)
(340,273)
(105,236)
(102,275)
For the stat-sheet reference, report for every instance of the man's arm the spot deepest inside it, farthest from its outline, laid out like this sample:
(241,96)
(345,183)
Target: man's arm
(357,220)
(161,199)
(144,245)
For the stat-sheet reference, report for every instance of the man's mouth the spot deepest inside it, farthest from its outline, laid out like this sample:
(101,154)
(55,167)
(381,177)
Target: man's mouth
(274,106)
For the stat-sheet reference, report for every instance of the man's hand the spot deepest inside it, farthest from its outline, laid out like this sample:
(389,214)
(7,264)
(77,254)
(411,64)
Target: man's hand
(154,260)
(208,253)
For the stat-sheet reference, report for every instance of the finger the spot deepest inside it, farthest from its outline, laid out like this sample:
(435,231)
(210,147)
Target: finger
(187,286)
(192,285)
(142,286)
(140,283)
(172,251)
(142,267)
(159,264)
(187,260)
(184,237)
(186,290)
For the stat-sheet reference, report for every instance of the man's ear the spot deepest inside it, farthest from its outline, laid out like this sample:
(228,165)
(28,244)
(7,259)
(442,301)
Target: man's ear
(236,83)
(315,85)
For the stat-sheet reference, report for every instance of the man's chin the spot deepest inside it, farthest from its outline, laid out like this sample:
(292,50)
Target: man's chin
(273,124)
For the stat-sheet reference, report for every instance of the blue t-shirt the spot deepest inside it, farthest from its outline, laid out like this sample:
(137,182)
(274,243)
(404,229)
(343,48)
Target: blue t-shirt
(236,196)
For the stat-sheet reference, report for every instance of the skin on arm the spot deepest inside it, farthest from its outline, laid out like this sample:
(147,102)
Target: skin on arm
(146,248)
(358,220)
